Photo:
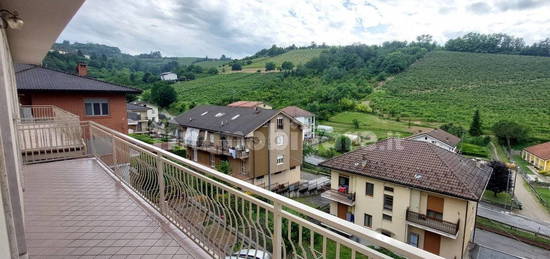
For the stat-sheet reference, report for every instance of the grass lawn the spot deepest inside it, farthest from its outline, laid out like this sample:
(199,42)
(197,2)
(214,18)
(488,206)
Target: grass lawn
(516,232)
(544,193)
(502,153)
(501,198)
(522,164)
(382,128)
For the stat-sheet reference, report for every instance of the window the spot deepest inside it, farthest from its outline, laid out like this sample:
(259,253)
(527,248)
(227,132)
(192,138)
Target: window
(368,220)
(413,239)
(96,107)
(280,159)
(388,189)
(388,202)
(388,218)
(279,140)
(369,189)
(280,123)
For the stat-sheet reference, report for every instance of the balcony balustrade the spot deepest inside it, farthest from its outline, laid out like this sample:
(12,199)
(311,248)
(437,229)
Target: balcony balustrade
(433,223)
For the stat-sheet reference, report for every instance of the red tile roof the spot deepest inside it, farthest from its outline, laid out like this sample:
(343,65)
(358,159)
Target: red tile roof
(249,104)
(296,112)
(542,151)
(417,164)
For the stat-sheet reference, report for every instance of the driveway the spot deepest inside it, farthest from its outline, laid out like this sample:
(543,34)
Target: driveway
(531,207)
(512,219)
(509,245)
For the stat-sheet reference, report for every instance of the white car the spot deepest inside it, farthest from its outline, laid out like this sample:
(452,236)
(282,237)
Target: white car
(250,254)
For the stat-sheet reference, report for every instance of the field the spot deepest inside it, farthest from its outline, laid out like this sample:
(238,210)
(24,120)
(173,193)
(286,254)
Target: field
(448,86)
(211,63)
(299,56)
(161,61)
(214,89)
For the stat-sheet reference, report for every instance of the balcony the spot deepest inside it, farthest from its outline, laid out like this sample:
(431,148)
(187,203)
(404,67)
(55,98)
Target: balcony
(438,226)
(339,196)
(221,149)
(129,198)
(49,133)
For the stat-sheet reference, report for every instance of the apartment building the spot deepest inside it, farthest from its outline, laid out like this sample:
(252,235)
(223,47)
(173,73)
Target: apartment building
(439,138)
(305,117)
(413,191)
(263,146)
(89,98)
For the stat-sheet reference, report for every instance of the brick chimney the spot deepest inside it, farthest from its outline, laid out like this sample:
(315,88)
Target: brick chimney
(82,69)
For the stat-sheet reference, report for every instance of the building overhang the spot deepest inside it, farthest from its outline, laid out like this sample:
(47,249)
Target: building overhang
(43,22)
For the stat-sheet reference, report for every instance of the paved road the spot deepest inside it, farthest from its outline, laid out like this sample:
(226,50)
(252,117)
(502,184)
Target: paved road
(314,160)
(512,219)
(509,245)
(531,207)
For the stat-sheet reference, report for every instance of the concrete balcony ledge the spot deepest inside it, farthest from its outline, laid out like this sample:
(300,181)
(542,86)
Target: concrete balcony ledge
(440,227)
(344,198)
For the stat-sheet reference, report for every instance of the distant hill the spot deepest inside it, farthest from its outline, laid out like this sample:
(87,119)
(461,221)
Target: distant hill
(298,56)
(448,86)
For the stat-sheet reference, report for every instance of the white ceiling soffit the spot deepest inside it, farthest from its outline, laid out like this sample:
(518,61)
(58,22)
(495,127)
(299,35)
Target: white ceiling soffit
(44,21)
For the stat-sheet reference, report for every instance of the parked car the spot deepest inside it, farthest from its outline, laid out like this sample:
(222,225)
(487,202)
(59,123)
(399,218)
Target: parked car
(250,254)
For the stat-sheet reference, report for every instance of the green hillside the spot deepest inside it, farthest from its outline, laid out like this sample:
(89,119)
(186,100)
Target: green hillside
(211,63)
(298,56)
(448,86)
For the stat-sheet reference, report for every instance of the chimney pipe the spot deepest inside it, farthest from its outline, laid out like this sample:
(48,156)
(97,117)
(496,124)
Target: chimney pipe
(82,69)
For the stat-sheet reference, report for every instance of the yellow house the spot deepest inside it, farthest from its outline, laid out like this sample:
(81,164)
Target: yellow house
(409,190)
(538,156)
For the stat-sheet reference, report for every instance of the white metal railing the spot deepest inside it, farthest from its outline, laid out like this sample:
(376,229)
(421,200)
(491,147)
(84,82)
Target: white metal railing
(224,214)
(48,133)
(43,113)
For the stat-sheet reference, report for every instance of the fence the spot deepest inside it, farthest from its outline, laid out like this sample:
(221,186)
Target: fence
(533,186)
(224,214)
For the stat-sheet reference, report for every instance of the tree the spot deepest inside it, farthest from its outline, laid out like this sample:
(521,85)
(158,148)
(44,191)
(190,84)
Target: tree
(355,123)
(236,67)
(224,167)
(501,178)
(456,130)
(343,144)
(475,127)
(510,133)
(163,94)
(213,71)
(287,65)
(308,149)
(269,66)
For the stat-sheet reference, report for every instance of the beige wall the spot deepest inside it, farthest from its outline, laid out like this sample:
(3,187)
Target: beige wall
(536,161)
(404,197)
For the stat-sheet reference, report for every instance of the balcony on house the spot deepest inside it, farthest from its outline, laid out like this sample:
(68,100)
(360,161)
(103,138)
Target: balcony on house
(340,195)
(128,198)
(435,225)
(238,151)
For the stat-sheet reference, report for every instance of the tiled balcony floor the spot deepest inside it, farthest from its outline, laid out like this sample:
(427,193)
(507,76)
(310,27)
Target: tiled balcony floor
(73,209)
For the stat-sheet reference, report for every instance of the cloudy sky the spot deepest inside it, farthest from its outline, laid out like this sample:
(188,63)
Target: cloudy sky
(241,27)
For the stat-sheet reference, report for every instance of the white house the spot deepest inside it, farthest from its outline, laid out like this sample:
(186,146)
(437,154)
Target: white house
(439,138)
(305,117)
(168,76)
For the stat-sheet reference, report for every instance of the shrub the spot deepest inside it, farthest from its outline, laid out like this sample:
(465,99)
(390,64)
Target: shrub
(224,167)
(269,66)
(236,67)
(343,144)
(180,151)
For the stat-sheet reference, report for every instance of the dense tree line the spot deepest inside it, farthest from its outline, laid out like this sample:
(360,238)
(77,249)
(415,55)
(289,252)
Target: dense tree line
(498,43)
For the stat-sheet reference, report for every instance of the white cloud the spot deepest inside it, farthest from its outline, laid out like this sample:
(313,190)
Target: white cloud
(240,28)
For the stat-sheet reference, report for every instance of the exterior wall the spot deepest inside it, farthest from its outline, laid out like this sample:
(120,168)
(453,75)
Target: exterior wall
(309,126)
(260,152)
(74,103)
(429,139)
(535,161)
(405,197)
(169,77)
